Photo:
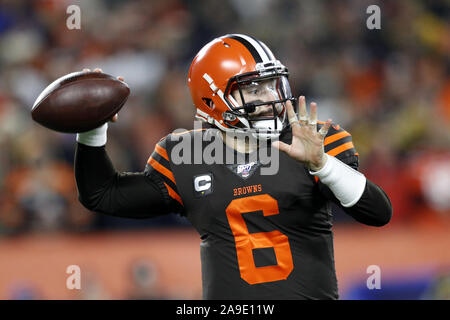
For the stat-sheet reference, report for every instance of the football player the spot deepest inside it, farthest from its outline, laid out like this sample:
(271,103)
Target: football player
(263,236)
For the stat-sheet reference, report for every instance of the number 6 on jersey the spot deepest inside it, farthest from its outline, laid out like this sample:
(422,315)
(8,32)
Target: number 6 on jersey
(246,242)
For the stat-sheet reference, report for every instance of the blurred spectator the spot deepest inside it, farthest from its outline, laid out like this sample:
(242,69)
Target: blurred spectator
(91,287)
(439,289)
(23,290)
(42,199)
(144,281)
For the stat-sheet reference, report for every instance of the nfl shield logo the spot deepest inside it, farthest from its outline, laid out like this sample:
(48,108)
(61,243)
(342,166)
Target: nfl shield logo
(244,169)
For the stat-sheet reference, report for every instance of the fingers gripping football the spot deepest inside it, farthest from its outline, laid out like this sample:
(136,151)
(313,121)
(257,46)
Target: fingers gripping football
(307,142)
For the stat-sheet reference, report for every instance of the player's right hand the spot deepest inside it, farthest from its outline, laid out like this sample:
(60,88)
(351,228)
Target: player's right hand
(116,116)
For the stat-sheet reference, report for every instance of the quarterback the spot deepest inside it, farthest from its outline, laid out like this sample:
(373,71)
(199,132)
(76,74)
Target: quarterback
(263,236)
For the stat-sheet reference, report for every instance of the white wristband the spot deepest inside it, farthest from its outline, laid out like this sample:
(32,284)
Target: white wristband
(346,183)
(95,137)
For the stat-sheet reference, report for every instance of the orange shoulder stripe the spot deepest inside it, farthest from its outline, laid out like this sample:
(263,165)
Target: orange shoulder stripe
(341,148)
(335,137)
(161,169)
(162,152)
(173,193)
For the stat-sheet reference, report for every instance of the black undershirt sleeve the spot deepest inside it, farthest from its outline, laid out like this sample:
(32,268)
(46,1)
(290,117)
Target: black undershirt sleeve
(102,189)
(373,208)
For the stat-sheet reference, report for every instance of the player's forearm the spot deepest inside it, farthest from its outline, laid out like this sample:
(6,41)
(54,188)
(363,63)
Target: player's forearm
(373,208)
(359,197)
(93,172)
(102,189)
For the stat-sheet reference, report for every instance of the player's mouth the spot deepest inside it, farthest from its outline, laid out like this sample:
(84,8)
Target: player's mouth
(265,113)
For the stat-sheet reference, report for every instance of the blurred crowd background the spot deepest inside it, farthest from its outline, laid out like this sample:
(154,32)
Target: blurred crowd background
(390,88)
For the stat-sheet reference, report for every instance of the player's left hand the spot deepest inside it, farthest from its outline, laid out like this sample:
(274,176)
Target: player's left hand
(307,142)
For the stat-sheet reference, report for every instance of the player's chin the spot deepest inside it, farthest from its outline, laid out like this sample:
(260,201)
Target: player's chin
(266,114)
(265,118)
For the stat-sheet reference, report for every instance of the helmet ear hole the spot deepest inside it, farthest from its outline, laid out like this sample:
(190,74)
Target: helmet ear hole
(208,102)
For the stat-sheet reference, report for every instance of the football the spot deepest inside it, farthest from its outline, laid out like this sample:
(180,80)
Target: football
(79,102)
